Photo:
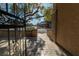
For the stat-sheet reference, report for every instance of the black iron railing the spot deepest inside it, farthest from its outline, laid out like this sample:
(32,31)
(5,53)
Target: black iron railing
(8,21)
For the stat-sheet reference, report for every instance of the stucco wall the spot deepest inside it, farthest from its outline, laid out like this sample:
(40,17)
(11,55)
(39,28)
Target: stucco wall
(51,34)
(68,27)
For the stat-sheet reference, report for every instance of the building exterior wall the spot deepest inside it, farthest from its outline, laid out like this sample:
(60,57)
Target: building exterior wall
(51,31)
(68,27)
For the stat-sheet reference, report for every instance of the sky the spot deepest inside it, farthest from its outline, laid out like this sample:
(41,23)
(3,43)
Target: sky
(34,21)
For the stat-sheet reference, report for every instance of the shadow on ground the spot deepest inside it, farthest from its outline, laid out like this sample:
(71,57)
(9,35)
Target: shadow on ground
(34,46)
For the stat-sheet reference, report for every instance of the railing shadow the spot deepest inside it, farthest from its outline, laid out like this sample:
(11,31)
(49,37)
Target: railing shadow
(34,46)
(3,51)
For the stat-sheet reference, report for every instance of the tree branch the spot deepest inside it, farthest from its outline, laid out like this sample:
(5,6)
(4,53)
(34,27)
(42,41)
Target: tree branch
(34,18)
(31,14)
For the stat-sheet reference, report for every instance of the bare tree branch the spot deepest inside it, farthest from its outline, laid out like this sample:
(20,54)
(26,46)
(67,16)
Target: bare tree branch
(34,18)
(31,14)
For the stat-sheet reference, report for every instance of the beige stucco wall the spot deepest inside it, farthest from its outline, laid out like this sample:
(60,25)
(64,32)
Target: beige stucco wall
(68,27)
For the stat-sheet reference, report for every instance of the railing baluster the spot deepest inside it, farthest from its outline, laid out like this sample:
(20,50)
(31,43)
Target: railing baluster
(8,31)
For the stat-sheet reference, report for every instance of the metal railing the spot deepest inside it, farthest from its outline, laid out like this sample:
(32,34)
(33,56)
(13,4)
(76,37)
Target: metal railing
(15,43)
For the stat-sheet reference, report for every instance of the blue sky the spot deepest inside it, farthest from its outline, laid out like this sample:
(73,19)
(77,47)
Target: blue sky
(35,21)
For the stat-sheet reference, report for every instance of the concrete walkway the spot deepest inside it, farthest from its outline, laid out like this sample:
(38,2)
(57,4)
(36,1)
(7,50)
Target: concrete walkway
(40,46)
(50,48)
